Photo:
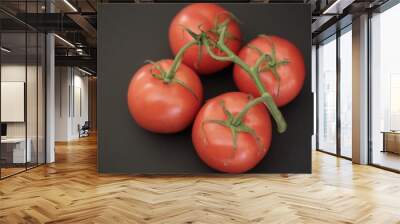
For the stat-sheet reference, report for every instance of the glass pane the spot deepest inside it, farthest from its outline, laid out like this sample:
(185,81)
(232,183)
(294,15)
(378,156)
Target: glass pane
(31,98)
(346,94)
(314,84)
(13,88)
(327,96)
(385,84)
(41,98)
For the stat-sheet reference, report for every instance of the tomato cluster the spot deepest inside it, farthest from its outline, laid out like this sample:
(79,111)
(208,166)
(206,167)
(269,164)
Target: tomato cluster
(231,132)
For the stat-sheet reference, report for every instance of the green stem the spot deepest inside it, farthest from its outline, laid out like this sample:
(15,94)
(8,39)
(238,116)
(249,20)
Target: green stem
(253,72)
(177,61)
(238,119)
(231,56)
(269,102)
(275,112)
(212,54)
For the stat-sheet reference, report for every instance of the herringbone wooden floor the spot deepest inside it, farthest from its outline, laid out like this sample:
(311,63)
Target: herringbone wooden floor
(71,191)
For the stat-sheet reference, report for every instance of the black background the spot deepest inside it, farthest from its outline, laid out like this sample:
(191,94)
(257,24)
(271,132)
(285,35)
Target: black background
(129,34)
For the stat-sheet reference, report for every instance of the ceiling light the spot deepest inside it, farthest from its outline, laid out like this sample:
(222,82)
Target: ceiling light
(65,41)
(79,51)
(70,5)
(84,71)
(329,9)
(5,50)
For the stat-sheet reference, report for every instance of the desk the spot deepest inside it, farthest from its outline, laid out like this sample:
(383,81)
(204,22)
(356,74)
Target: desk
(15,148)
(391,141)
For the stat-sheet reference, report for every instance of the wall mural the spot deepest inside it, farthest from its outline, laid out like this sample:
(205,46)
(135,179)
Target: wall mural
(223,93)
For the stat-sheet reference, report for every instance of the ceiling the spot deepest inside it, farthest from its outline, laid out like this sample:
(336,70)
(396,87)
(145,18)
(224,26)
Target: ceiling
(76,22)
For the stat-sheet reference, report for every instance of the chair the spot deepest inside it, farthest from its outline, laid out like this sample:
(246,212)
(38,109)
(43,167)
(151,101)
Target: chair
(84,130)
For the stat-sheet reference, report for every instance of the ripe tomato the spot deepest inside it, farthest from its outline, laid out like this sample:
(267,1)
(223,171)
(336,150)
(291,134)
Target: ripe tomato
(289,66)
(203,17)
(215,143)
(164,107)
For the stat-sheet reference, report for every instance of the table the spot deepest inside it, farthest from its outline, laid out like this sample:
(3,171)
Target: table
(391,141)
(17,150)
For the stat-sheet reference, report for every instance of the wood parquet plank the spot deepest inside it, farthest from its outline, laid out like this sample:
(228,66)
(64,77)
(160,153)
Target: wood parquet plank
(71,191)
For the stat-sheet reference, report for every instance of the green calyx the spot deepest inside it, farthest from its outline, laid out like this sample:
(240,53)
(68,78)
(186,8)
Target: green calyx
(215,30)
(168,80)
(235,124)
(269,62)
(218,26)
(168,77)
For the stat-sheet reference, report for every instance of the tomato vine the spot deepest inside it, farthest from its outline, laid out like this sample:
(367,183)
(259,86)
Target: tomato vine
(252,71)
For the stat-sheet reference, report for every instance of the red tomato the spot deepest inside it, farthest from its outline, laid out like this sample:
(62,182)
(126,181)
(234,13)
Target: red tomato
(214,142)
(202,17)
(292,73)
(164,107)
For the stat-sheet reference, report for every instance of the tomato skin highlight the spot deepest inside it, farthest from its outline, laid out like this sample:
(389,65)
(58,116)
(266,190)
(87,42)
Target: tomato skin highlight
(160,107)
(214,142)
(200,17)
(292,75)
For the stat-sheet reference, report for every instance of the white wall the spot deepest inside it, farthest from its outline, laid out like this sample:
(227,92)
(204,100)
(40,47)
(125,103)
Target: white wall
(71,102)
(62,81)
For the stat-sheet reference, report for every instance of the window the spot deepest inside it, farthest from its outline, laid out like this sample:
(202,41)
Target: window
(385,89)
(327,96)
(335,74)
(346,92)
